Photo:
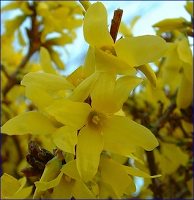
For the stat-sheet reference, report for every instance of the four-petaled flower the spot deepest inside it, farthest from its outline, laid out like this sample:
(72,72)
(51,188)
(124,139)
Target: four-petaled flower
(98,131)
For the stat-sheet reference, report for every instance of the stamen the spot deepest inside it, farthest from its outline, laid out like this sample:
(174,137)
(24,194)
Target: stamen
(95,119)
(108,51)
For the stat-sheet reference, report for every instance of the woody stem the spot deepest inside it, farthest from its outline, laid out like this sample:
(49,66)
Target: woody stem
(115,23)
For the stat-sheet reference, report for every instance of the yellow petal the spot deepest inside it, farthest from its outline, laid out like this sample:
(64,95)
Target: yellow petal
(42,9)
(185,93)
(89,148)
(65,138)
(106,191)
(102,92)
(76,77)
(172,61)
(13,24)
(125,131)
(112,64)
(149,73)
(55,56)
(184,51)
(124,30)
(63,190)
(118,148)
(9,185)
(70,169)
(21,39)
(95,26)
(85,4)
(31,122)
(136,172)
(135,158)
(123,87)
(133,22)
(171,47)
(188,72)
(72,114)
(82,91)
(114,174)
(62,40)
(140,50)
(175,154)
(38,96)
(189,7)
(81,191)
(46,81)
(10,6)
(42,186)
(89,63)
(95,188)
(24,193)
(170,24)
(24,6)
(45,61)
(131,188)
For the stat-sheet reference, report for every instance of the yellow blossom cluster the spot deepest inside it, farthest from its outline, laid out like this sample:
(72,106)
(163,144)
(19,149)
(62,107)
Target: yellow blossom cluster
(100,148)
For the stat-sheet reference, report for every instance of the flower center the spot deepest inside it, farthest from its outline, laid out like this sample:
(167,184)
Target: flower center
(96,119)
(109,50)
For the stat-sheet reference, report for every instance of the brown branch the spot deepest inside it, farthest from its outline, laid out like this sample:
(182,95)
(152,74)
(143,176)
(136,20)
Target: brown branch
(115,23)
(164,118)
(157,186)
(35,43)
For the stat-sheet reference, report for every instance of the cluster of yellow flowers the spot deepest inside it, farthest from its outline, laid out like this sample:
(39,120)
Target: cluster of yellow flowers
(82,113)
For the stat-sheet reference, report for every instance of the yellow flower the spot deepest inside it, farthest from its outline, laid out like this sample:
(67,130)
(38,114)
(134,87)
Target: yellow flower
(126,53)
(67,184)
(180,59)
(97,130)
(12,188)
(102,129)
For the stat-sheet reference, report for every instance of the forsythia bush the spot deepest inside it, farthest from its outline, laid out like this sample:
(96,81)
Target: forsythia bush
(91,134)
